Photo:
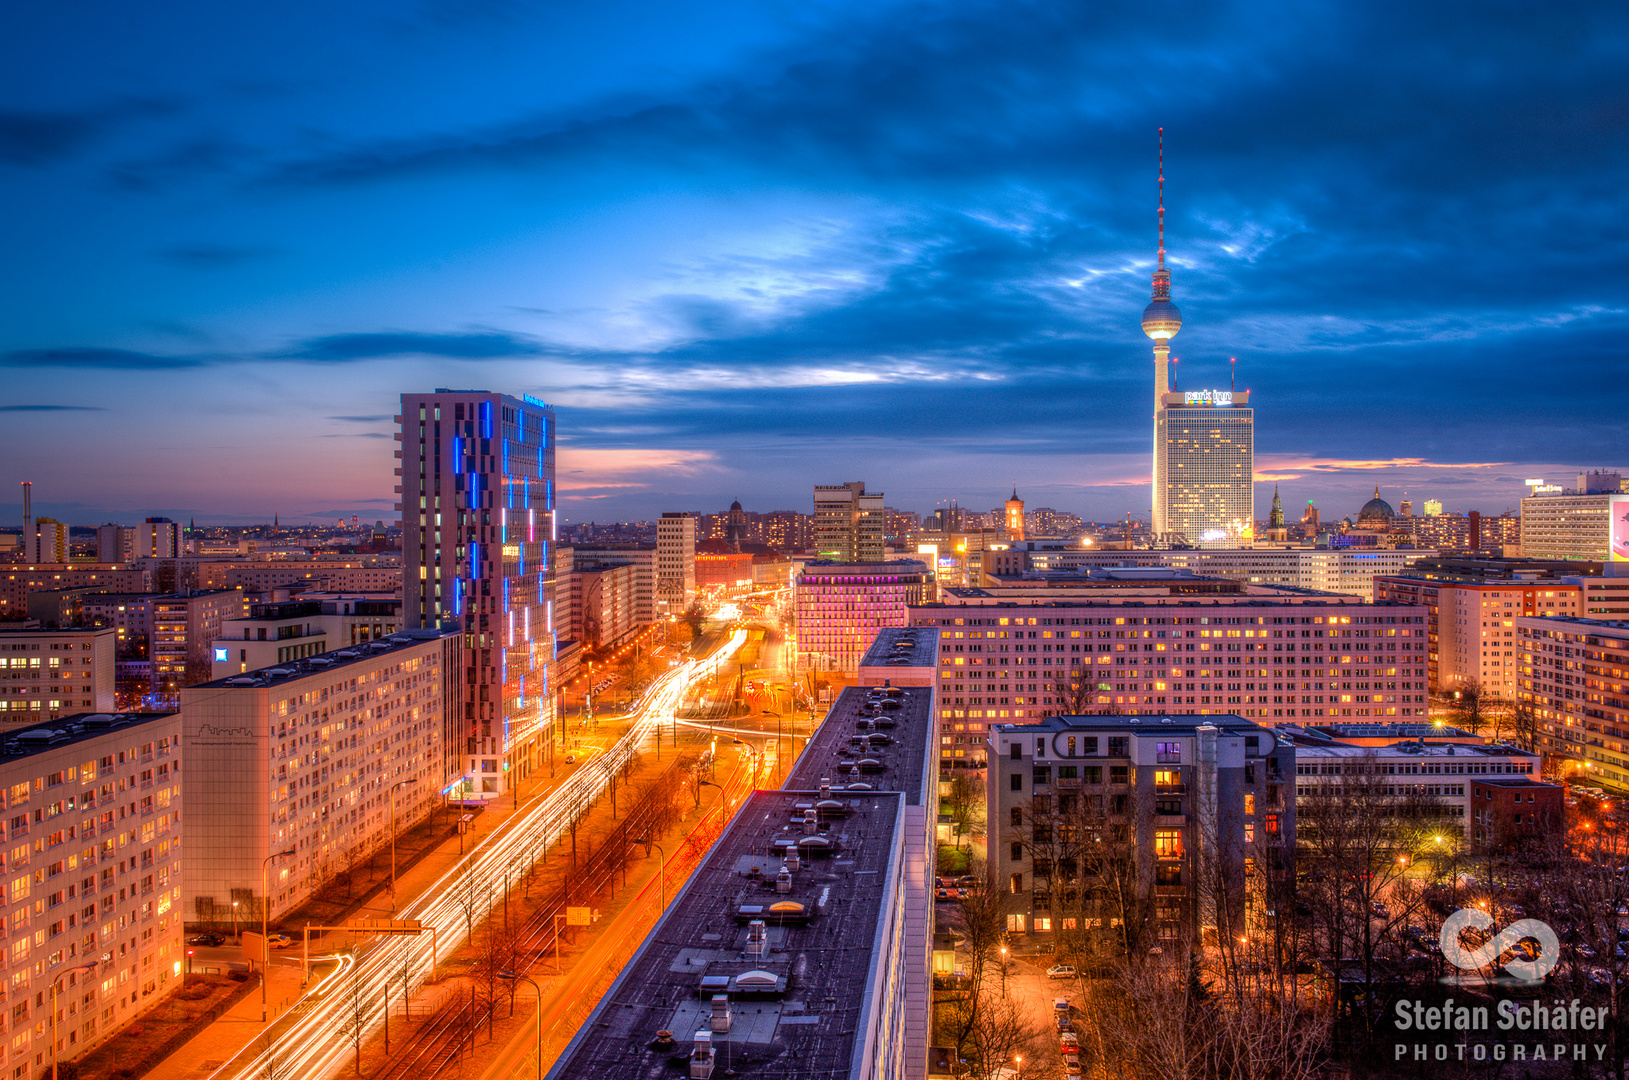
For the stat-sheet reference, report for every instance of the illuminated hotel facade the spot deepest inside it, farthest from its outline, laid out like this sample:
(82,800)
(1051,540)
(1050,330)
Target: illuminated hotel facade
(1573,675)
(478,521)
(1204,468)
(841,607)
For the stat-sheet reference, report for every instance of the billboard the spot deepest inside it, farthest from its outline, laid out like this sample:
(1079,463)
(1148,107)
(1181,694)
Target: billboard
(1618,529)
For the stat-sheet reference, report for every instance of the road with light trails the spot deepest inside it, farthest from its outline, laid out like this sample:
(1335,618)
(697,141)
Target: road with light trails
(309,1041)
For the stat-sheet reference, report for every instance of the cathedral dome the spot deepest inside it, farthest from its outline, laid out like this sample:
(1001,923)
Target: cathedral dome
(1376,510)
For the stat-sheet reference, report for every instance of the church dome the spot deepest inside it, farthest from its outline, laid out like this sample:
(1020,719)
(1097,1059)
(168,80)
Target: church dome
(736,505)
(1376,509)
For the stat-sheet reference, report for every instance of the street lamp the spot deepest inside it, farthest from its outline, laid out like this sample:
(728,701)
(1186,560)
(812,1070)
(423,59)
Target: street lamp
(234,918)
(512,976)
(393,787)
(82,969)
(661,872)
(265,908)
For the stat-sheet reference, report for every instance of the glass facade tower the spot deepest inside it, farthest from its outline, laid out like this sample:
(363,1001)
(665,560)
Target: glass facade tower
(478,531)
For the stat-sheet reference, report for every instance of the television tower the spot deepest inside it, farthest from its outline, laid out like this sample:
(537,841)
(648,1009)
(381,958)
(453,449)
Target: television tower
(1161,321)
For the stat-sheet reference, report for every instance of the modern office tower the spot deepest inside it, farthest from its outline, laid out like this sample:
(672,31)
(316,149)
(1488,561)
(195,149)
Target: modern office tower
(676,561)
(1588,522)
(478,529)
(800,948)
(1569,677)
(1275,660)
(306,755)
(1473,624)
(107,897)
(1204,807)
(1015,517)
(849,523)
(841,606)
(1406,508)
(45,674)
(184,628)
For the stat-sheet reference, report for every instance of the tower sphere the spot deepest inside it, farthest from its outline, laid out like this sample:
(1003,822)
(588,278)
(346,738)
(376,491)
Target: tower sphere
(1161,319)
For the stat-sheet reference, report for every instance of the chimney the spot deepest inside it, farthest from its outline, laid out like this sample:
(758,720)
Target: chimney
(28,504)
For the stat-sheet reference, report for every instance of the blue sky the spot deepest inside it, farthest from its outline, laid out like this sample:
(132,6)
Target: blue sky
(748,247)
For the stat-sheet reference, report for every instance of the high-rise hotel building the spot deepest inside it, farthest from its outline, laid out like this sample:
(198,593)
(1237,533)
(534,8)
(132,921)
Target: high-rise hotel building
(478,530)
(1204,441)
(848,523)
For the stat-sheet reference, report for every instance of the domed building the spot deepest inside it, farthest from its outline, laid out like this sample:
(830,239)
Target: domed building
(1376,515)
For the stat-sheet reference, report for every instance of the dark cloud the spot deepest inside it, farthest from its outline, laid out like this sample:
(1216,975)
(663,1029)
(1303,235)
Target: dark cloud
(33,138)
(472,346)
(363,419)
(357,435)
(92,357)
(213,256)
(51,408)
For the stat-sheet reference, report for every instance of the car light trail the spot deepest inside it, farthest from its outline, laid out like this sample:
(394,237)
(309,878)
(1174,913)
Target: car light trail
(312,1043)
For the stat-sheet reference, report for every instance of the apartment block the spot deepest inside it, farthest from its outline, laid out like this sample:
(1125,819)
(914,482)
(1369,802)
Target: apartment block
(155,538)
(1319,569)
(93,806)
(640,559)
(306,755)
(1434,771)
(1188,801)
(841,607)
(1471,623)
(1276,661)
(48,674)
(675,561)
(17,582)
(277,633)
(1574,672)
(184,629)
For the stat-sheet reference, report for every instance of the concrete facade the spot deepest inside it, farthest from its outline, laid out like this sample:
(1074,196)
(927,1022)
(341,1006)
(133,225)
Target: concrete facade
(305,755)
(47,674)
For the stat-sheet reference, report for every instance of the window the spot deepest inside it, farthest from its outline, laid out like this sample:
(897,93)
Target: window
(1167,778)
(1016,817)
(1017,752)
(1168,752)
(1119,745)
(1017,853)
(1168,843)
(1090,744)
(1118,774)
(1017,883)
(1015,922)
(1168,873)
(1042,774)
(1017,782)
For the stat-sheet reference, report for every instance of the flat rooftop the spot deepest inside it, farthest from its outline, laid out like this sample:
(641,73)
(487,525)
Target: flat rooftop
(1305,746)
(1292,596)
(1184,723)
(321,664)
(903,646)
(905,758)
(799,1008)
(36,738)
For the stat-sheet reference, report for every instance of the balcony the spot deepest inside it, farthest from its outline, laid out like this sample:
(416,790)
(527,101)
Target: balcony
(1170,789)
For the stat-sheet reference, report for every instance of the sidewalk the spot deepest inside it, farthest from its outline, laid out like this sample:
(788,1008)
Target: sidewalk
(233,1030)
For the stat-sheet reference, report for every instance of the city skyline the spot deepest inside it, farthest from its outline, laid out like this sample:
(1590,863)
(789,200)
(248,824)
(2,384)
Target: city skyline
(728,242)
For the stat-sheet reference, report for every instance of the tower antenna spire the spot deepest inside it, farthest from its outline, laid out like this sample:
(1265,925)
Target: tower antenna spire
(1162,199)
(1231,361)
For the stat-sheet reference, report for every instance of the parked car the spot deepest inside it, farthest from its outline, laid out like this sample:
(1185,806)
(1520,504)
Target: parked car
(205,939)
(1061,971)
(1070,1042)
(571,759)
(279,941)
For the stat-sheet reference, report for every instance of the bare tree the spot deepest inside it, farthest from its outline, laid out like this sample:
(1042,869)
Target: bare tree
(966,794)
(495,953)
(1523,721)
(1072,692)
(466,895)
(354,1015)
(1471,705)
(981,917)
(999,1038)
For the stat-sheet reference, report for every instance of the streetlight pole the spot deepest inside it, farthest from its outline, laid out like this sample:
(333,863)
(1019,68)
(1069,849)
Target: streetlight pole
(234,918)
(265,908)
(82,969)
(661,873)
(393,787)
(516,977)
